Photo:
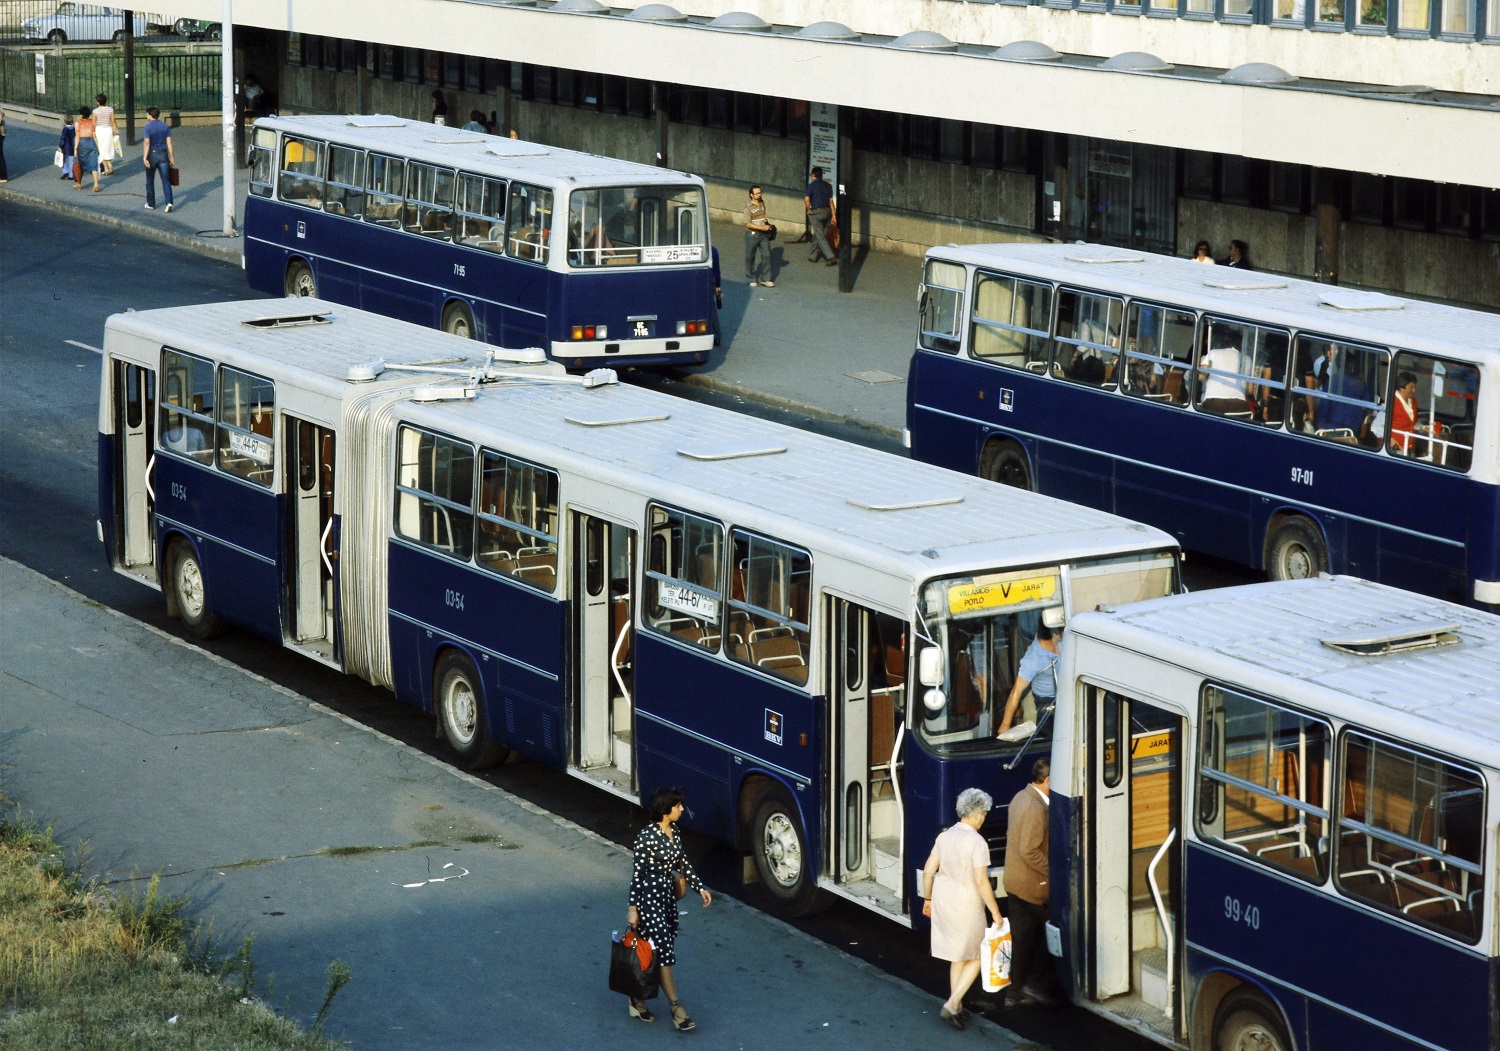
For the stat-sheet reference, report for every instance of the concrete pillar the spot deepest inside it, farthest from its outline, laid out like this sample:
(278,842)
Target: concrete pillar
(1328,188)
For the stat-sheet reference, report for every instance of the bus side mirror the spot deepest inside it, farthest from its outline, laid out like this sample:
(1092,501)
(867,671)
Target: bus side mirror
(934,700)
(930,666)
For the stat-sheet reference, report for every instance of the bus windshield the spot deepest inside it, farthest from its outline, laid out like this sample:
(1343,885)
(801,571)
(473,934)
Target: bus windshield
(985,624)
(626,225)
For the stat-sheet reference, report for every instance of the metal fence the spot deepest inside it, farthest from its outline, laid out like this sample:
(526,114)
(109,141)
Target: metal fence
(174,79)
(15,12)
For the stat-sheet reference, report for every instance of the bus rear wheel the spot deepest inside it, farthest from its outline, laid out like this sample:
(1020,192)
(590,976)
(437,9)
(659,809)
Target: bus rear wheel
(1007,465)
(781,856)
(458,321)
(1247,1024)
(190,596)
(300,280)
(1295,551)
(460,707)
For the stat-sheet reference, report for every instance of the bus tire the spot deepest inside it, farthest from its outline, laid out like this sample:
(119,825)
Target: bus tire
(300,280)
(189,595)
(1248,1023)
(458,321)
(1295,551)
(781,857)
(459,700)
(1008,466)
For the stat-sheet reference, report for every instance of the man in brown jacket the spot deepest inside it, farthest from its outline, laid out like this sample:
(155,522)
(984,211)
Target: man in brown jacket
(1026,882)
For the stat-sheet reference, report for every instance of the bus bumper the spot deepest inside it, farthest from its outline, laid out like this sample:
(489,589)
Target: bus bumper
(683,350)
(1487,591)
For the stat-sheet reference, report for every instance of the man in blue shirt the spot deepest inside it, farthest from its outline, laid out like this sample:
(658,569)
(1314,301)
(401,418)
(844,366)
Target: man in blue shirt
(819,202)
(1346,414)
(156,147)
(1039,671)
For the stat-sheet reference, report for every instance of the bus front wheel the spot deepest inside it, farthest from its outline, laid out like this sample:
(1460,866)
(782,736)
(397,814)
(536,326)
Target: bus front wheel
(781,857)
(300,280)
(458,321)
(1248,1024)
(190,596)
(1295,551)
(460,707)
(1007,465)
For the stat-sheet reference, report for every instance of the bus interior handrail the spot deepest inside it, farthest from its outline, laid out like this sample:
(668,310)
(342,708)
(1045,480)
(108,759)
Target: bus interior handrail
(1168,928)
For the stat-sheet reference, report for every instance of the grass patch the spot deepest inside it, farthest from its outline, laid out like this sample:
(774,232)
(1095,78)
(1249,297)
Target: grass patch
(83,969)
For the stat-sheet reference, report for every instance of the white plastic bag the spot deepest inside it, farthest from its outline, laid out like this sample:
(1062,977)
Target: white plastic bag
(994,957)
(57,158)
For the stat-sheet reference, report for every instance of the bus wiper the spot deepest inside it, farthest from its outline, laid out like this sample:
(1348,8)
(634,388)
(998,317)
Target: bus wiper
(1041,721)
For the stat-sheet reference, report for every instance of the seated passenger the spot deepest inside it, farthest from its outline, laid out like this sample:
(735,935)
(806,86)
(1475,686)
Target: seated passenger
(1220,389)
(1349,407)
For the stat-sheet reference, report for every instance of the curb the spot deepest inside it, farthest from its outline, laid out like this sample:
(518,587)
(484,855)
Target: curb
(776,401)
(192,244)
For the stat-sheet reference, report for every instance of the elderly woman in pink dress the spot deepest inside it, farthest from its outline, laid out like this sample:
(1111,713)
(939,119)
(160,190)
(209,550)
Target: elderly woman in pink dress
(956,884)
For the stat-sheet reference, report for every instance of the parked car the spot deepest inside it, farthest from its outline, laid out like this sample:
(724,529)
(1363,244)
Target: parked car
(197,29)
(73,21)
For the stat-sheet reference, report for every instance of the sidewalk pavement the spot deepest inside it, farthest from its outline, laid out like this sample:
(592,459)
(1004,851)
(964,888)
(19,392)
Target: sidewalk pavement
(469,918)
(801,345)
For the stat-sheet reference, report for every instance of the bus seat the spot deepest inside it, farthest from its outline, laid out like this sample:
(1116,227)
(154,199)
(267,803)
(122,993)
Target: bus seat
(777,651)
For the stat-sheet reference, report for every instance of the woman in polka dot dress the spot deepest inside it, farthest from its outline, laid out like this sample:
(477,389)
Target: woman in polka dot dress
(653,905)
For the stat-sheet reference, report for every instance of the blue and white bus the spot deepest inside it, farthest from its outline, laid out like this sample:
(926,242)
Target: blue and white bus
(636,589)
(595,260)
(1283,424)
(1273,820)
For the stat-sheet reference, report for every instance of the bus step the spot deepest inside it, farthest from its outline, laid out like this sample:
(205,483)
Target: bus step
(1151,977)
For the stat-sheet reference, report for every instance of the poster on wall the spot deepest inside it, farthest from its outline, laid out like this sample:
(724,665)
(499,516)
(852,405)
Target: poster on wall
(823,142)
(41,75)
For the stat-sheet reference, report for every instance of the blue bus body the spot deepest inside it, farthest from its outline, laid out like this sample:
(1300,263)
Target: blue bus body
(511,554)
(655,314)
(1224,486)
(1308,865)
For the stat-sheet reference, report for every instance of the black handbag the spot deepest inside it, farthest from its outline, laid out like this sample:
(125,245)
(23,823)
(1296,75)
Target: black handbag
(626,975)
(771,233)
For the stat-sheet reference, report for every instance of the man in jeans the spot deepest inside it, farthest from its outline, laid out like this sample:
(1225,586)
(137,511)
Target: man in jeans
(757,239)
(156,149)
(819,202)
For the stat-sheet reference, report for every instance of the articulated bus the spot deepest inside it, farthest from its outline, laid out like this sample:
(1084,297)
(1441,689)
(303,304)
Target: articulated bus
(1287,425)
(636,589)
(595,260)
(1273,820)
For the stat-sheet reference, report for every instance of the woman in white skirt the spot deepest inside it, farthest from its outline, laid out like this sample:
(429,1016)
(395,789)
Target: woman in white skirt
(104,132)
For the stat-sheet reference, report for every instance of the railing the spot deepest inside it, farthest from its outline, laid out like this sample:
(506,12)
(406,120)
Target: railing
(172,77)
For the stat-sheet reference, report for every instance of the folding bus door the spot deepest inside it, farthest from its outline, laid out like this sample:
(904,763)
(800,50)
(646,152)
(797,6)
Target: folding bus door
(135,503)
(313,547)
(1134,818)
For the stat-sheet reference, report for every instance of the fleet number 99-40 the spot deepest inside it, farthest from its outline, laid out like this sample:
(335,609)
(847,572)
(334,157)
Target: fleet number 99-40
(1235,912)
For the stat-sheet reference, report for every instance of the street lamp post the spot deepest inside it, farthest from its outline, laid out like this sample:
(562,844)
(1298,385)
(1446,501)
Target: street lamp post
(226,88)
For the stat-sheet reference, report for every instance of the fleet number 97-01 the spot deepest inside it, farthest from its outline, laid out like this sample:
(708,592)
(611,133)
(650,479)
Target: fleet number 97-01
(1302,476)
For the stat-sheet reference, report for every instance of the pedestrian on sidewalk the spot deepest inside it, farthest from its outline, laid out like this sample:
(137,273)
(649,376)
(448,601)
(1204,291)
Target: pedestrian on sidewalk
(156,150)
(819,201)
(757,240)
(67,145)
(958,892)
(4,173)
(659,859)
(104,133)
(1026,888)
(88,149)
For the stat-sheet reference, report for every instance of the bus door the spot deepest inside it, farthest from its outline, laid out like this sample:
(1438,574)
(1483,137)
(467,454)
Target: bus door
(604,726)
(1135,820)
(314,545)
(135,442)
(867,697)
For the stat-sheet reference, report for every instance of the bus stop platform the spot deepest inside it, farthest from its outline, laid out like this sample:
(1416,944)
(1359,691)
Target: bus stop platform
(469,918)
(801,345)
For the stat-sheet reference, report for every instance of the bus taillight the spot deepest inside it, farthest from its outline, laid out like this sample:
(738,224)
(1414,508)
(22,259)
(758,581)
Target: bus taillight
(590,331)
(692,328)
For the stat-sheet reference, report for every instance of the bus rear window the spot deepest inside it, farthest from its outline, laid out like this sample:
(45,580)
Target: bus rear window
(615,225)
(302,171)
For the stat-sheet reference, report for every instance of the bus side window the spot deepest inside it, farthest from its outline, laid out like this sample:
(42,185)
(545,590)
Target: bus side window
(429,200)
(481,212)
(1264,774)
(1341,386)
(684,592)
(346,182)
(528,222)
(1086,338)
(1011,318)
(1158,350)
(247,410)
(942,307)
(771,623)
(261,161)
(1432,421)
(385,182)
(1410,836)
(302,171)
(187,405)
(518,520)
(435,492)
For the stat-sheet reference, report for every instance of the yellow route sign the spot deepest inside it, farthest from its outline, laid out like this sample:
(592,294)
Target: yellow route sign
(983,595)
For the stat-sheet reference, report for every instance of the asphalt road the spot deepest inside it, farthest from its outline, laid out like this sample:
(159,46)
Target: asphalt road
(61,279)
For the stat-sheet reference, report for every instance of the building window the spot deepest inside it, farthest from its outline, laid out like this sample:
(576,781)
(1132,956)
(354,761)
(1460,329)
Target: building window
(1367,198)
(1287,187)
(1197,174)
(1371,14)
(1489,214)
(1458,17)
(390,62)
(413,62)
(1413,16)
(1410,198)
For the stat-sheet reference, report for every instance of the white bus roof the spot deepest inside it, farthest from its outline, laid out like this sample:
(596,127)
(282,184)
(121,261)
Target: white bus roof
(904,517)
(1369,317)
(475,151)
(1272,639)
